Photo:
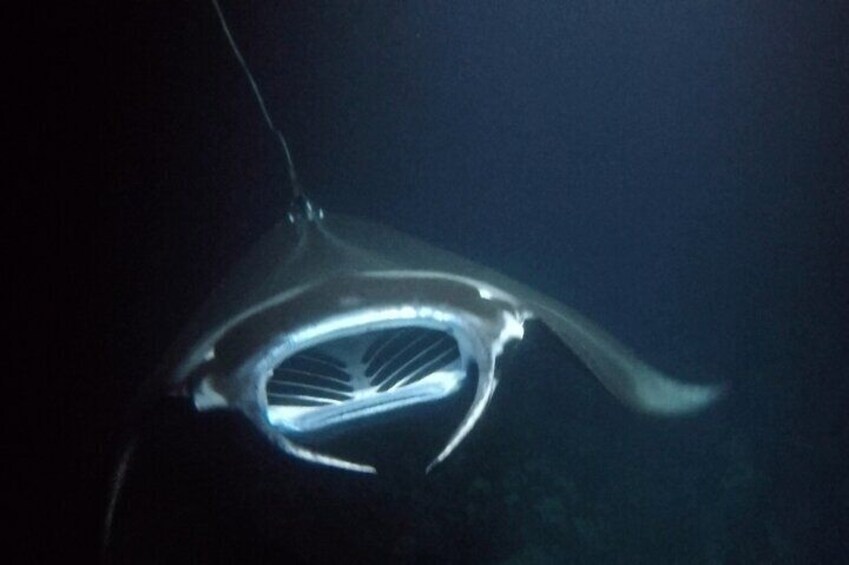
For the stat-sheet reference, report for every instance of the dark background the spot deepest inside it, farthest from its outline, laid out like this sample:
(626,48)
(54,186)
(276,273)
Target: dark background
(677,171)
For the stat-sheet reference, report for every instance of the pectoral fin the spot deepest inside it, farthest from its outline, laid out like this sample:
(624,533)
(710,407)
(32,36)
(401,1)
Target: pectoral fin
(635,383)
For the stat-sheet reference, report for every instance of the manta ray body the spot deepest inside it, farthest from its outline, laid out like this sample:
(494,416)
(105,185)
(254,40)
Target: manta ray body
(333,319)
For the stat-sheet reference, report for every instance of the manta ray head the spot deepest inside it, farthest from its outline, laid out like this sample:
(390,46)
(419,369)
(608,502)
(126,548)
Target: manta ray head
(355,347)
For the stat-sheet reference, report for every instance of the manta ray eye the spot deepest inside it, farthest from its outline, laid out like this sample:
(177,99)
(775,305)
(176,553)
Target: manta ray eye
(361,377)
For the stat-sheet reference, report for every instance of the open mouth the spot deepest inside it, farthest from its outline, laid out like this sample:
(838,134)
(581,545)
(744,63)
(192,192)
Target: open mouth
(359,378)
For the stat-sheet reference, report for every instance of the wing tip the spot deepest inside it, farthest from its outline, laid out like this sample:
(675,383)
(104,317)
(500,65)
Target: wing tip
(656,393)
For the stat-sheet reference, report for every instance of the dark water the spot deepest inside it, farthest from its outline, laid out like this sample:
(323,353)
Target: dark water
(676,171)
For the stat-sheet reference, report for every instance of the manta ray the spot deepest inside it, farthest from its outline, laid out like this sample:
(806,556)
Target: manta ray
(332,320)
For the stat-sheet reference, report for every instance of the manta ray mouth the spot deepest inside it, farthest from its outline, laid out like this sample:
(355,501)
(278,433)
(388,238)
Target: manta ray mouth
(362,378)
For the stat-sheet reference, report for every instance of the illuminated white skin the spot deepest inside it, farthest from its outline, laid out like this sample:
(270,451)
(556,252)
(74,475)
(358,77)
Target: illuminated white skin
(320,278)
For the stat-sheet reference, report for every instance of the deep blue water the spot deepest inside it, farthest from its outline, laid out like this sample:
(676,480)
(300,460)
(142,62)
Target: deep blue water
(676,171)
